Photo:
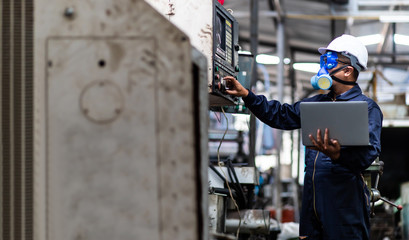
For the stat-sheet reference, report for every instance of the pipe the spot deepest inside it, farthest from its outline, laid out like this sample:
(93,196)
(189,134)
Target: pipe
(280,98)
(254,45)
(252,221)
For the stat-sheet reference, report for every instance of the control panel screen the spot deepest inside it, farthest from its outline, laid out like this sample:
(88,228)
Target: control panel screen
(225,54)
(224,38)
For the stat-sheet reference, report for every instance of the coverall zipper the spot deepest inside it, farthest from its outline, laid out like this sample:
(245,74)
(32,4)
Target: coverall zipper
(313,179)
(313,185)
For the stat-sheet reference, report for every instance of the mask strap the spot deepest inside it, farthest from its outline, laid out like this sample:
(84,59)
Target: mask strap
(339,80)
(342,81)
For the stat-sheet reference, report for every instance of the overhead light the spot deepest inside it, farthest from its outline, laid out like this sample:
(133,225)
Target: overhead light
(270,59)
(394,19)
(377,38)
(401,39)
(371,39)
(267,59)
(307,67)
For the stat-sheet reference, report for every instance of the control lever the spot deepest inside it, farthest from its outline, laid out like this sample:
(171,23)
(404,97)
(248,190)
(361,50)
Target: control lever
(399,207)
(376,195)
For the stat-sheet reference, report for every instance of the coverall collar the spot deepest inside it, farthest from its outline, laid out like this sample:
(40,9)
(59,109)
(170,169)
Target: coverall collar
(351,93)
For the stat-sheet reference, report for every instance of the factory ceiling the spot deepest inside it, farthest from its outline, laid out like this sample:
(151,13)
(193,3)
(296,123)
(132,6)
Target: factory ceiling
(309,24)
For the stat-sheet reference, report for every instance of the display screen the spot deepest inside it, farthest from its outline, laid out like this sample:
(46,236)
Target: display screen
(224,38)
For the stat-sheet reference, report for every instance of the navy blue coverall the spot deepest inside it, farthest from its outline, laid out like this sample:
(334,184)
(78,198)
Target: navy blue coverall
(336,201)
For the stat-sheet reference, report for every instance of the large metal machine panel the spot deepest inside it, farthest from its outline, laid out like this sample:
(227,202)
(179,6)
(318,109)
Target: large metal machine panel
(102,138)
(195,18)
(118,132)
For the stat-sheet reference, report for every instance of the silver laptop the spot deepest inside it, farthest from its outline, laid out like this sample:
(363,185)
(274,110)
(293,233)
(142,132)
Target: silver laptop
(346,121)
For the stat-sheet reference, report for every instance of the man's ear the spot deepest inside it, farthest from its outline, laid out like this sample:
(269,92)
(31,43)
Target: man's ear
(348,71)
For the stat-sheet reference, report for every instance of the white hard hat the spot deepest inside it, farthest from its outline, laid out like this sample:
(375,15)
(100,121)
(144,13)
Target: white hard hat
(349,45)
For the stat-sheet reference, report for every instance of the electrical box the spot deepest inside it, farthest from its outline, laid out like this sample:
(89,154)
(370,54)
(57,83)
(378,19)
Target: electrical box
(119,128)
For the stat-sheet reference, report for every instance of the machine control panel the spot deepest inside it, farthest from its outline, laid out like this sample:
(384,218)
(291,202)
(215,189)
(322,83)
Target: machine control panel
(225,51)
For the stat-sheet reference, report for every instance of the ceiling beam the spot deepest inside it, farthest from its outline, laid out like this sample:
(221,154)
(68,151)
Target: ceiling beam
(344,15)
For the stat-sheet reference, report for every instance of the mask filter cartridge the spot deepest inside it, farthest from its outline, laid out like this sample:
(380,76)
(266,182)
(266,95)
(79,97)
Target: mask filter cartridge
(323,82)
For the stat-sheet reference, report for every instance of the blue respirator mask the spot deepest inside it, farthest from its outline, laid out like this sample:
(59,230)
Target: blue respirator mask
(323,80)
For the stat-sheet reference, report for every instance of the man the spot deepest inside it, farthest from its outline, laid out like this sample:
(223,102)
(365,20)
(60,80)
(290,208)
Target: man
(336,200)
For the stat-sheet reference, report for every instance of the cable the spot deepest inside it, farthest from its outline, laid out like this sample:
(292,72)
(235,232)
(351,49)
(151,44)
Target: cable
(236,182)
(218,119)
(221,169)
(234,186)
(217,172)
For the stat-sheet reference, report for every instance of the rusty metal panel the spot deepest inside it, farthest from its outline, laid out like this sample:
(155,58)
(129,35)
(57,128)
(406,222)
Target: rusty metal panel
(115,139)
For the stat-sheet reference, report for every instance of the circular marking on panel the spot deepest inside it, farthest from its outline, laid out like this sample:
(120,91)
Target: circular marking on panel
(102,101)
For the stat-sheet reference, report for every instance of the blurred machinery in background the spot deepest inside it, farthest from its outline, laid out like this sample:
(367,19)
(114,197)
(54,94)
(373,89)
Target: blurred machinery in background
(404,215)
(383,223)
(98,99)
(231,204)
(231,185)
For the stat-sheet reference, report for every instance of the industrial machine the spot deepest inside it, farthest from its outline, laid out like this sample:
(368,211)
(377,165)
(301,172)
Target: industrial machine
(383,221)
(231,212)
(215,34)
(372,176)
(98,98)
(231,185)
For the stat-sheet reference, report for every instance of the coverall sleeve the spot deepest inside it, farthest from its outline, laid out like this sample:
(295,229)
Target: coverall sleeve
(273,113)
(360,158)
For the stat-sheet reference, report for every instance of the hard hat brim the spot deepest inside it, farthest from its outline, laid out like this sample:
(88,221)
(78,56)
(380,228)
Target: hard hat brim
(322,50)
